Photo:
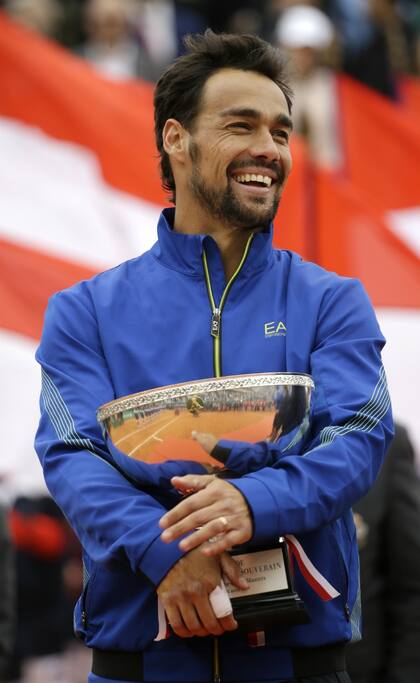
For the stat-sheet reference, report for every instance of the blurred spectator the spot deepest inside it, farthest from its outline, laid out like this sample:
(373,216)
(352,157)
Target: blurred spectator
(409,11)
(190,17)
(238,16)
(48,561)
(7,596)
(307,34)
(42,16)
(246,20)
(375,37)
(388,523)
(155,22)
(111,45)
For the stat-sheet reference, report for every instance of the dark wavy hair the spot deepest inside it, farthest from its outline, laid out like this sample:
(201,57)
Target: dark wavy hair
(178,91)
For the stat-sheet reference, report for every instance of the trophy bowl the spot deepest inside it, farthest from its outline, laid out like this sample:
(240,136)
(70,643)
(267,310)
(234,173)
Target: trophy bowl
(156,425)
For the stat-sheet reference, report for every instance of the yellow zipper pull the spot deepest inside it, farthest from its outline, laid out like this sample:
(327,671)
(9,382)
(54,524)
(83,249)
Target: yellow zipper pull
(215,323)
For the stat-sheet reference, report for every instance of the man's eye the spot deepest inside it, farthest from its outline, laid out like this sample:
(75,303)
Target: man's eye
(283,134)
(241,125)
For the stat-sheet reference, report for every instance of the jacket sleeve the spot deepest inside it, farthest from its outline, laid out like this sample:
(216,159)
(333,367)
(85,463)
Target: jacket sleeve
(350,429)
(115,520)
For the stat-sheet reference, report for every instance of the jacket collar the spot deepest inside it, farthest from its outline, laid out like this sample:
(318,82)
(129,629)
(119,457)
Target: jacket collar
(183,252)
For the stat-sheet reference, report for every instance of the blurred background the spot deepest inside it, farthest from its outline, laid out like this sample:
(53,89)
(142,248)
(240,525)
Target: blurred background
(80,192)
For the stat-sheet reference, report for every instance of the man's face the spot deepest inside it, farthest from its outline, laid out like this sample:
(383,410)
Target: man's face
(239,155)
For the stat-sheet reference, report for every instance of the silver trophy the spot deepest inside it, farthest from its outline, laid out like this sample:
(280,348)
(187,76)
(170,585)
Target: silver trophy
(156,425)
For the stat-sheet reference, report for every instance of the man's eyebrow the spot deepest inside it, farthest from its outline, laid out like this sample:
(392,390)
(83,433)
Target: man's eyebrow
(248,113)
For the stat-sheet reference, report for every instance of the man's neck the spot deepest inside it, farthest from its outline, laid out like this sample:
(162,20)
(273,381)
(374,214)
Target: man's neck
(230,240)
(231,246)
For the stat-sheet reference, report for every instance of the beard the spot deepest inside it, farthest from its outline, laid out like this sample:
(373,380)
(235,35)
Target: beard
(224,205)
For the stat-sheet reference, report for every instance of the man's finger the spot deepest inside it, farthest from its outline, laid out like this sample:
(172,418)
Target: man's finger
(223,543)
(232,571)
(190,514)
(195,502)
(203,534)
(190,524)
(206,441)
(192,621)
(192,482)
(176,622)
(207,617)
(229,623)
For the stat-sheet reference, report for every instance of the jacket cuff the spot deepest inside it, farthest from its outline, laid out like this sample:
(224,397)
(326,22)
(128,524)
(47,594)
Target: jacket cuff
(263,508)
(159,558)
(234,454)
(221,452)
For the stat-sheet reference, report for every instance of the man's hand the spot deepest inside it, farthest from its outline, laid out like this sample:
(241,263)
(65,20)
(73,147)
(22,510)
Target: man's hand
(216,512)
(185,590)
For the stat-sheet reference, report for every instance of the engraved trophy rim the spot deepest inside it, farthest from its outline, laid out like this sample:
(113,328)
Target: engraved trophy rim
(210,384)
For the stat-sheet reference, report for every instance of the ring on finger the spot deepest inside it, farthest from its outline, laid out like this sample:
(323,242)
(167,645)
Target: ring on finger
(218,536)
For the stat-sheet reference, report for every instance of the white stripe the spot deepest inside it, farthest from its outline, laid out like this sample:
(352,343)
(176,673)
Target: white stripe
(53,198)
(60,416)
(20,469)
(64,413)
(146,425)
(406,225)
(152,436)
(50,408)
(312,569)
(362,415)
(370,411)
(55,414)
(367,418)
(53,408)
(260,638)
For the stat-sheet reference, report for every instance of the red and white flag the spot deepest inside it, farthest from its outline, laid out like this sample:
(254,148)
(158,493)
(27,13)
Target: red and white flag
(368,225)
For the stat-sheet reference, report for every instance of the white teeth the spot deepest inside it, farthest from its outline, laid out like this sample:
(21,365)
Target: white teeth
(252,177)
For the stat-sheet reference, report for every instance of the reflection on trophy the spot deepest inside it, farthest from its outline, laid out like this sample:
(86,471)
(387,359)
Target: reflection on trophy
(194,405)
(290,407)
(156,425)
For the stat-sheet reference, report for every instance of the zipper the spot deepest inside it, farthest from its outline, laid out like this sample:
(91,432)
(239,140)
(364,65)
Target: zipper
(87,584)
(215,331)
(216,310)
(345,574)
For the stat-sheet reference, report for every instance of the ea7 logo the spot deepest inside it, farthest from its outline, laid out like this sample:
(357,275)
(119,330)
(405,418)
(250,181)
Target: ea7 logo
(275,329)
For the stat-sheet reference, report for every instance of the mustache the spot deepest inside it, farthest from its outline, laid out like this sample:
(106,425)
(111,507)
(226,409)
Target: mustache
(258,163)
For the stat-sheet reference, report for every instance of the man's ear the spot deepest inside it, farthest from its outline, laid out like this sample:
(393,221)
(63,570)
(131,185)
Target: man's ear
(174,138)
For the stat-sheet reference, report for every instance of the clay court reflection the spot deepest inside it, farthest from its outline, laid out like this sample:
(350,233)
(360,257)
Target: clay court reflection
(156,425)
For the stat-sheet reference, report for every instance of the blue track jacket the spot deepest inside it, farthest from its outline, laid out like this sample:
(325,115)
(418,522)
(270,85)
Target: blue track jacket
(146,323)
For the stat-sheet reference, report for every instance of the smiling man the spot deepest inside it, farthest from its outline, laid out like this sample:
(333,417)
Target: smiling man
(199,304)
(230,167)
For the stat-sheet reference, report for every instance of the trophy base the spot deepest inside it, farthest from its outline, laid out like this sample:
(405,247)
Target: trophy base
(269,611)
(270,599)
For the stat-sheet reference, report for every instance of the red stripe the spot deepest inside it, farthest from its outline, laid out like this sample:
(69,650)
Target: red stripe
(27,280)
(307,575)
(46,86)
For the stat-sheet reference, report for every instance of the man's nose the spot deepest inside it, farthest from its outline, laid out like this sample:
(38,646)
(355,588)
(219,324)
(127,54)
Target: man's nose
(263,145)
